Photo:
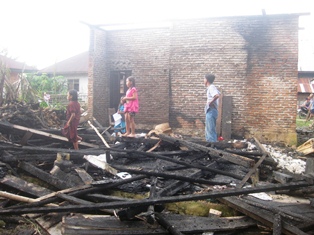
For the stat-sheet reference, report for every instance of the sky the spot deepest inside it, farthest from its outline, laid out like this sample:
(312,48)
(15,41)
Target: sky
(43,32)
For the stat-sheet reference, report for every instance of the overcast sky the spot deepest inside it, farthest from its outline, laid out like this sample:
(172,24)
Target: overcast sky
(43,32)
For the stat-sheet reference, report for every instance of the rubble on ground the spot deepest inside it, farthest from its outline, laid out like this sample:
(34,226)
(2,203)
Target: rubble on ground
(158,183)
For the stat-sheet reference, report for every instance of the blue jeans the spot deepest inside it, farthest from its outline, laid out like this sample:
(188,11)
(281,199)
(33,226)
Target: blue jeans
(210,125)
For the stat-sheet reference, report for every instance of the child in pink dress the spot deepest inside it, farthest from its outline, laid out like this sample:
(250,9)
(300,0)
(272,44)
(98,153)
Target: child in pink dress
(131,107)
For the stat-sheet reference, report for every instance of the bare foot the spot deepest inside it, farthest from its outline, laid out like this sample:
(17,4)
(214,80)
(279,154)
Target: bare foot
(125,134)
(131,135)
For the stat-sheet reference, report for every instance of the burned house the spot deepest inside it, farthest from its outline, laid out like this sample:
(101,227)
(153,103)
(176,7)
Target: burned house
(254,58)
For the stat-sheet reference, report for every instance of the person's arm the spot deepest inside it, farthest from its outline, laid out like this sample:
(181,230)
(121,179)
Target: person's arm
(213,100)
(121,110)
(133,97)
(70,119)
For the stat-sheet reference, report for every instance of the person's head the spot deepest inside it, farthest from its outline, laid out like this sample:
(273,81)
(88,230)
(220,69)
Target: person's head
(72,95)
(130,81)
(209,78)
(121,100)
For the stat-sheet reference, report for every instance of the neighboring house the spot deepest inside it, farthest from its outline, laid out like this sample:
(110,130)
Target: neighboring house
(75,70)
(305,85)
(254,58)
(16,68)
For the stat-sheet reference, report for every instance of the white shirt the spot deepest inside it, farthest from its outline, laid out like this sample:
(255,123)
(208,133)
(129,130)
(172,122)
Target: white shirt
(211,92)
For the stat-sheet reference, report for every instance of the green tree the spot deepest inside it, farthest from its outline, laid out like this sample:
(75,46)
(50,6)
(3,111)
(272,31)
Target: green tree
(44,83)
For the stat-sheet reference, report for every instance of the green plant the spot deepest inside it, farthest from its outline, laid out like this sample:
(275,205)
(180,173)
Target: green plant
(303,123)
(43,83)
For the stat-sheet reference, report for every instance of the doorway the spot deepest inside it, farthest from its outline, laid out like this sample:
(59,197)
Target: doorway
(118,86)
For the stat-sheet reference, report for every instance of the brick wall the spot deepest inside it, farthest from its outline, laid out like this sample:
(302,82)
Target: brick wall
(98,78)
(254,59)
(146,54)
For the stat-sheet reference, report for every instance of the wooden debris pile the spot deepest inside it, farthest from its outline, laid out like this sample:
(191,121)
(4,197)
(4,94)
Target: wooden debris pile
(31,115)
(132,185)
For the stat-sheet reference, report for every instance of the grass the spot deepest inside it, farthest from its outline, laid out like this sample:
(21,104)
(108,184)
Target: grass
(302,123)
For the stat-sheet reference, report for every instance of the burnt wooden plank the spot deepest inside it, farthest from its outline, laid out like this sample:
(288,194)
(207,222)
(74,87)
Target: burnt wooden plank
(44,176)
(166,175)
(72,180)
(292,210)
(27,157)
(252,171)
(254,155)
(219,117)
(76,154)
(78,201)
(277,225)
(261,215)
(226,117)
(176,186)
(73,200)
(264,151)
(106,198)
(198,166)
(49,220)
(68,190)
(174,230)
(77,191)
(126,230)
(307,227)
(107,225)
(234,158)
(86,178)
(24,186)
(42,133)
(26,137)
(197,224)
(147,202)
(184,223)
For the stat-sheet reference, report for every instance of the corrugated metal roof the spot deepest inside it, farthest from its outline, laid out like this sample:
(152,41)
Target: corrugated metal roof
(305,85)
(306,82)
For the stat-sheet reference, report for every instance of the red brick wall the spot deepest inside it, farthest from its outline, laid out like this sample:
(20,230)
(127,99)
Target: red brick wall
(254,58)
(98,90)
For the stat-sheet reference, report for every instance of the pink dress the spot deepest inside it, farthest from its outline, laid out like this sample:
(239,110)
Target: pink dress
(131,105)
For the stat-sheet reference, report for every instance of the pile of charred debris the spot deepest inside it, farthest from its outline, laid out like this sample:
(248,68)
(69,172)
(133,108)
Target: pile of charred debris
(157,183)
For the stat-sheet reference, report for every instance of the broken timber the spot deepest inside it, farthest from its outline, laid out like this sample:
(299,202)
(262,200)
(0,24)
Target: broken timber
(24,186)
(168,176)
(30,131)
(254,168)
(265,217)
(60,184)
(147,202)
(97,224)
(234,158)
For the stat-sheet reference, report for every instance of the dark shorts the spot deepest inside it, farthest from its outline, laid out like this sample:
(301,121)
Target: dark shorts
(132,114)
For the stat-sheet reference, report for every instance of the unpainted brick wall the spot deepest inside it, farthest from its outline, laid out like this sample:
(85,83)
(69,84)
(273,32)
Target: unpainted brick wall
(254,59)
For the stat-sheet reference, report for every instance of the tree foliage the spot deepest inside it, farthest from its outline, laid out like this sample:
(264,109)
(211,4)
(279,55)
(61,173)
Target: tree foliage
(43,83)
